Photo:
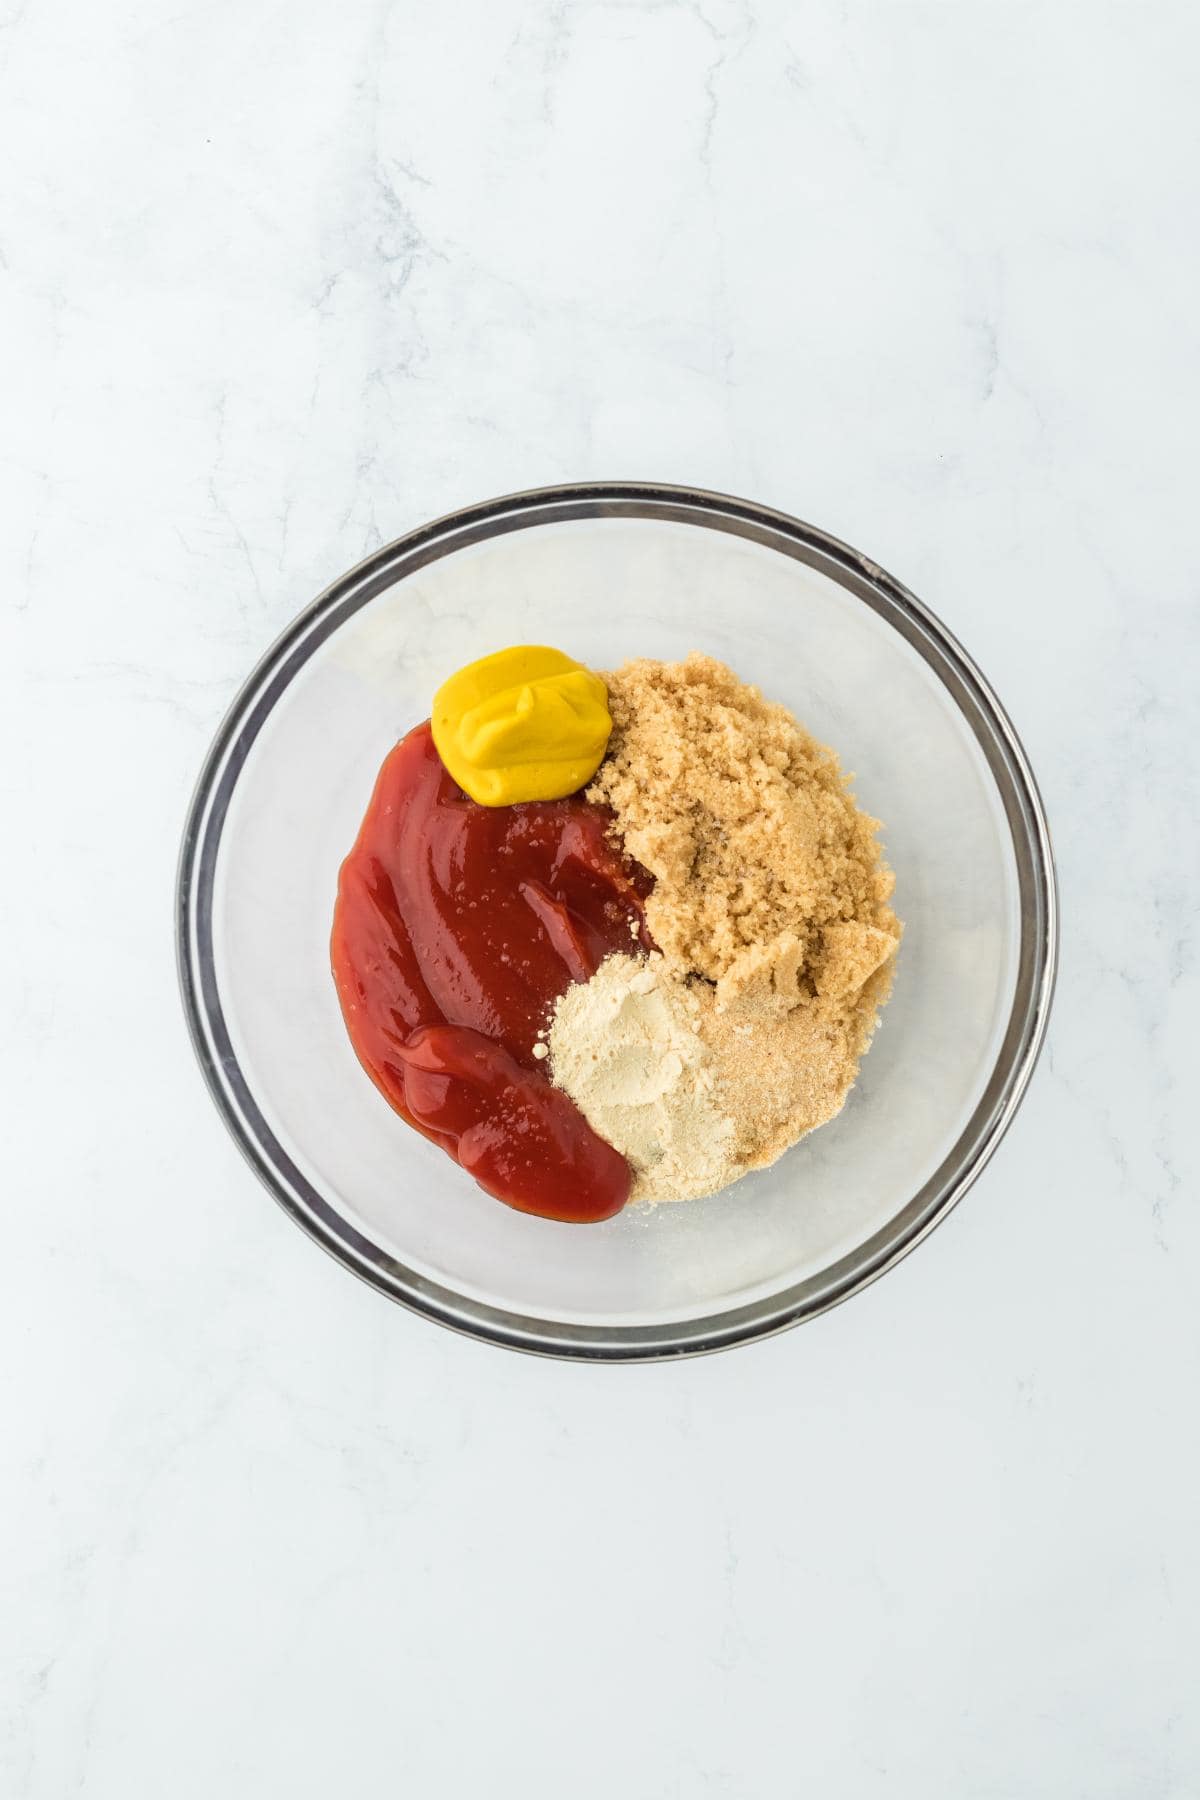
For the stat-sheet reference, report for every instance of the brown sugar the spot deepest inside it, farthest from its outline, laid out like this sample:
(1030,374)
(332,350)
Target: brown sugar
(770,902)
(762,862)
(780,1074)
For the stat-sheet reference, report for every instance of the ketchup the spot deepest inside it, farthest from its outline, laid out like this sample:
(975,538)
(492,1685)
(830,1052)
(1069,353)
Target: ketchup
(457,927)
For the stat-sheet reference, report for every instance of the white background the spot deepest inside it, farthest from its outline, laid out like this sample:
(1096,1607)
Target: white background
(281,280)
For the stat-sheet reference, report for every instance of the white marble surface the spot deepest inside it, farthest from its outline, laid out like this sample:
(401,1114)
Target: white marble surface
(279,282)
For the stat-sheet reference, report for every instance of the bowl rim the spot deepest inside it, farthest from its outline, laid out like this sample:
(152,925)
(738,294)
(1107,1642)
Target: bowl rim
(1036,963)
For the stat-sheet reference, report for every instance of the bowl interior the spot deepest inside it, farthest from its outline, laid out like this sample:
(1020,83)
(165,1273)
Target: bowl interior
(606,589)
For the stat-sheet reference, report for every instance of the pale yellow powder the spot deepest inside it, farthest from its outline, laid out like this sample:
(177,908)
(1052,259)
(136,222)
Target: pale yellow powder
(625,1047)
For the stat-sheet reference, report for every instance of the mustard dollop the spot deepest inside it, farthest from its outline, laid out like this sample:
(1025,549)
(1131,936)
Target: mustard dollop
(527,723)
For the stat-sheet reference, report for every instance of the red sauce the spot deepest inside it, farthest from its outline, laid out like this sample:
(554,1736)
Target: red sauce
(457,928)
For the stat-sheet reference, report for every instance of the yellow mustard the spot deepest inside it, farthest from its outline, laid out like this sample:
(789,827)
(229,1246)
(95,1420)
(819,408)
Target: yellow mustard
(524,724)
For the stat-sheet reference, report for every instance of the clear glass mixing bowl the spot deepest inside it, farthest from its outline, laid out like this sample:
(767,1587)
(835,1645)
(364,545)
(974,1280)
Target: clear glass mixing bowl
(609,571)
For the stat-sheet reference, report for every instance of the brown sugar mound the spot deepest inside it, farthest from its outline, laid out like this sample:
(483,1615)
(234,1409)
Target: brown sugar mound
(765,870)
(771,894)
(780,1074)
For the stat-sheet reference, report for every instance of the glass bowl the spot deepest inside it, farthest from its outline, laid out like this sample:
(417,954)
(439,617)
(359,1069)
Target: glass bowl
(610,571)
